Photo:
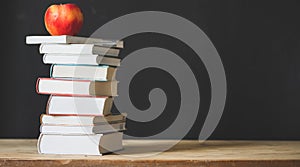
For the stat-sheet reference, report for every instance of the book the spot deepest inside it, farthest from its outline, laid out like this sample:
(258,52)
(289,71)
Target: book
(76,87)
(81,120)
(78,49)
(86,59)
(97,144)
(79,105)
(85,72)
(82,129)
(67,39)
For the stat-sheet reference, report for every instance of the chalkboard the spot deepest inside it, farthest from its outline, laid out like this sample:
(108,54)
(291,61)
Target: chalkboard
(258,42)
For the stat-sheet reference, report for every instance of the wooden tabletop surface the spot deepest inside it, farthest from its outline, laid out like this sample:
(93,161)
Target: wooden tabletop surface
(23,152)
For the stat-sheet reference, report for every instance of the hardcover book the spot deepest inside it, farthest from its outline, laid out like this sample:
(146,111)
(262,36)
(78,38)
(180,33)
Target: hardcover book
(96,144)
(78,49)
(81,59)
(83,72)
(79,105)
(82,129)
(67,39)
(81,120)
(76,87)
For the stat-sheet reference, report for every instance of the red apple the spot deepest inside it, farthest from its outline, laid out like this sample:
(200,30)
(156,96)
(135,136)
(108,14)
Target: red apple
(63,19)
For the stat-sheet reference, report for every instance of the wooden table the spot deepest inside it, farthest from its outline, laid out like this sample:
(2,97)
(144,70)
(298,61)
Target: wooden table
(186,153)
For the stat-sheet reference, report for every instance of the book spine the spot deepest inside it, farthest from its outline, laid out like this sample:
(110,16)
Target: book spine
(44,58)
(107,106)
(51,70)
(48,104)
(41,48)
(37,85)
(41,118)
(39,143)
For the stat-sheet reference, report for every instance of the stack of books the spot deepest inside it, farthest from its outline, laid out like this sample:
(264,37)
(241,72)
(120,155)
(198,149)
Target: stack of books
(82,86)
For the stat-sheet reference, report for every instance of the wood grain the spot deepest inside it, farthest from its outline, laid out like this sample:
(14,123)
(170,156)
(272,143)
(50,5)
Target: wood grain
(22,152)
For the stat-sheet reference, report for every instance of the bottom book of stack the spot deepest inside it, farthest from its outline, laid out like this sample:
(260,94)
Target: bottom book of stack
(87,135)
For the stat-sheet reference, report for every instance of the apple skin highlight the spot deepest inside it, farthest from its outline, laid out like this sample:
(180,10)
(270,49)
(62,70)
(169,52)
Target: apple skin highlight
(63,19)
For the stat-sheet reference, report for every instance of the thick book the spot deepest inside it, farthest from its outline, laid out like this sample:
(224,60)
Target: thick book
(76,87)
(78,49)
(66,39)
(81,59)
(80,144)
(84,72)
(79,105)
(82,129)
(81,120)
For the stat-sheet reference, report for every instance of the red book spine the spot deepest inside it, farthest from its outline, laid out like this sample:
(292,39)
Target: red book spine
(37,85)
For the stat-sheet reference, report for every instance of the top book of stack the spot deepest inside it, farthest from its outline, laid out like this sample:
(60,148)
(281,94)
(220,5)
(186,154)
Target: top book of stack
(66,39)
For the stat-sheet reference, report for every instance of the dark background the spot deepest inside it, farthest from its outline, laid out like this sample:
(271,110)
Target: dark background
(258,42)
